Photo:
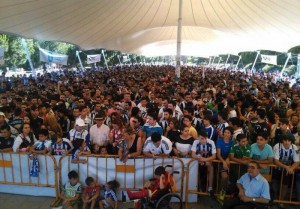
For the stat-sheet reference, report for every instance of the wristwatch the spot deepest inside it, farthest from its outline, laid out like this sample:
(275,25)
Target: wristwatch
(253,199)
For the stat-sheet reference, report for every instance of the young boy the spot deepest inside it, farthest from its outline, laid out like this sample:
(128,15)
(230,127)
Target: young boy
(287,158)
(80,148)
(240,153)
(60,147)
(91,193)
(6,140)
(110,199)
(261,152)
(39,147)
(71,191)
(204,150)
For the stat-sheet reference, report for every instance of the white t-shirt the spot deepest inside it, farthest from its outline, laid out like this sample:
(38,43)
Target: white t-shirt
(165,146)
(99,135)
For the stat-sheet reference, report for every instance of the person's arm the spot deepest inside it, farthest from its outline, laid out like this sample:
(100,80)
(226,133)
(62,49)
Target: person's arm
(6,150)
(224,161)
(290,169)
(112,203)
(240,161)
(210,158)
(138,149)
(161,181)
(95,196)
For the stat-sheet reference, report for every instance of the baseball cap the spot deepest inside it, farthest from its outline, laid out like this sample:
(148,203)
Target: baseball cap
(80,122)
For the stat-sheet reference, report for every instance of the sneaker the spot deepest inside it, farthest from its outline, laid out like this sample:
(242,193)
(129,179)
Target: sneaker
(211,193)
(222,194)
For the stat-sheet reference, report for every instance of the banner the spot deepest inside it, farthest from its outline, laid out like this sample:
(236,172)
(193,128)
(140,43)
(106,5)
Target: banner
(93,58)
(48,56)
(269,59)
(1,54)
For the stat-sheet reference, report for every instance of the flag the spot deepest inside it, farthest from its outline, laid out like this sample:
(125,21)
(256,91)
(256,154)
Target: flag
(48,56)
(269,59)
(93,58)
(1,54)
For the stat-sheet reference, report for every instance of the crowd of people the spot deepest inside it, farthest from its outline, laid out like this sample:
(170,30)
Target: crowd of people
(140,111)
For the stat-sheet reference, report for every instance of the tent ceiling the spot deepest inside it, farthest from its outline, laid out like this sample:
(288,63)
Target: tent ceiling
(149,27)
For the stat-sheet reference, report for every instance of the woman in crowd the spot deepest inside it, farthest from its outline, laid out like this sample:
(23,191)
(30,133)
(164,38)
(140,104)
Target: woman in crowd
(183,143)
(25,139)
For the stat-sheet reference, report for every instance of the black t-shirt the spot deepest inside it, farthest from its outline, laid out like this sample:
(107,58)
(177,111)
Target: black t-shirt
(6,143)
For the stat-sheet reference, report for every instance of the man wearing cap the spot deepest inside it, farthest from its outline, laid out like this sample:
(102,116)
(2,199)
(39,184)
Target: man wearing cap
(99,132)
(79,132)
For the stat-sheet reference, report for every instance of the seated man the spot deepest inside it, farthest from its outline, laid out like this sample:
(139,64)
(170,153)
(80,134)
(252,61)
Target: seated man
(254,192)
(157,146)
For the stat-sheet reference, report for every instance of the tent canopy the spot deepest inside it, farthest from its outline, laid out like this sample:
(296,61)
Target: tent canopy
(149,27)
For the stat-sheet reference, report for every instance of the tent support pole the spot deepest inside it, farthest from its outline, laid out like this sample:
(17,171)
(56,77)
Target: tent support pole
(178,54)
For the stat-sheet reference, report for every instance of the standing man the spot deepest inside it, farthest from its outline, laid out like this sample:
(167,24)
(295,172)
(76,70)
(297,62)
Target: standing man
(99,132)
(253,189)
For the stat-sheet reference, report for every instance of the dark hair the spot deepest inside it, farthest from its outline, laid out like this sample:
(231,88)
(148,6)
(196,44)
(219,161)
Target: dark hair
(114,185)
(160,170)
(287,137)
(229,128)
(261,113)
(223,114)
(190,118)
(256,163)
(44,132)
(284,121)
(72,175)
(263,134)
(155,137)
(78,143)
(235,121)
(89,180)
(153,115)
(5,127)
(168,110)
(239,137)
(202,133)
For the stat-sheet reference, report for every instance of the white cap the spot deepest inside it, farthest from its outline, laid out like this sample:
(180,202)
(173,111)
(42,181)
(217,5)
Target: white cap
(2,114)
(80,122)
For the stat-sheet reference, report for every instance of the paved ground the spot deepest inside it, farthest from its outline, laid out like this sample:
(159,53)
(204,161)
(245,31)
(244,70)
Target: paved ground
(9,201)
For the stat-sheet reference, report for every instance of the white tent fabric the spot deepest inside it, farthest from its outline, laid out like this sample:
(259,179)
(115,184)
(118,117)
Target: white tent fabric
(149,27)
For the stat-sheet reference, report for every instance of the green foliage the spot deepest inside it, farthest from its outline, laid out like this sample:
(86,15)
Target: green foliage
(291,70)
(267,68)
(295,50)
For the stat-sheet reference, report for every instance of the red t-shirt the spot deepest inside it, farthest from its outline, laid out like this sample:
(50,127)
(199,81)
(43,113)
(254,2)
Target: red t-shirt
(91,191)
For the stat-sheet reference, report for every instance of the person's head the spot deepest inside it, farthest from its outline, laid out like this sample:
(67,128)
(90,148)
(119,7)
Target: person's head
(286,140)
(90,182)
(187,120)
(128,132)
(173,123)
(73,177)
(284,123)
(185,131)
(79,124)
(160,170)
(83,111)
(112,185)
(202,137)
(168,114)
(235,122)
(5,131)
(79,144)
(43,134)
(222,115)
(262,139)
(261,113)
(242,140)
(103,150)
(227,132)
(25,129)
(117,123)
(59,138)
(253,168)
(156,139)
(151,118)
(206,120)
(34,111)
(76,112)
(294,119)
(26,119)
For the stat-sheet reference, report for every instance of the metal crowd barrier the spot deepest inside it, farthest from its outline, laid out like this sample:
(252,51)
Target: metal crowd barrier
(15,170)
(130,175)
(217,179)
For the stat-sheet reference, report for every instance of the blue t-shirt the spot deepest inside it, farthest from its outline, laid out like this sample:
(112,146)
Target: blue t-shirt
(225,147)
(264,154)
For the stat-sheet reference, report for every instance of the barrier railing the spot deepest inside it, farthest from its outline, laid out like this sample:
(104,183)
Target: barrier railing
(217,180)
(131,175)
(15,170)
